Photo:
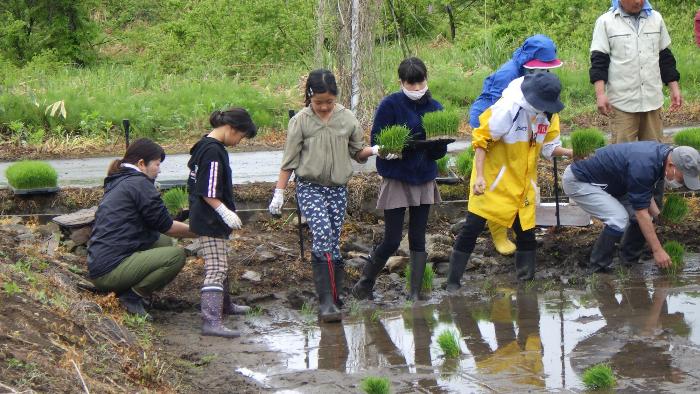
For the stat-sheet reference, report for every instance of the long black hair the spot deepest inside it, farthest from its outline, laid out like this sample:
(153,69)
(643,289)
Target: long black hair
(413,70)
(238,118)
(319,81)
(142,148)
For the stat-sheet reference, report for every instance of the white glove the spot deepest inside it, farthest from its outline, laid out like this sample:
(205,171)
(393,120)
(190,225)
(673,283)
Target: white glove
(275,207)
(390,156)
(230,218)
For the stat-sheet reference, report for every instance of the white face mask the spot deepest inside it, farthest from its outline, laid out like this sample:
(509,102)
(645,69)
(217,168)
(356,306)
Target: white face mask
(673,183)
(415,95)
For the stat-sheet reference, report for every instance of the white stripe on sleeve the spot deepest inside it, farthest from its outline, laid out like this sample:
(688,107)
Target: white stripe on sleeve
(213,176)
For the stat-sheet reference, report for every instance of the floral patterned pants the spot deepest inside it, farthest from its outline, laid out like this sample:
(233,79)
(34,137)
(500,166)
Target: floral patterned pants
(324,209)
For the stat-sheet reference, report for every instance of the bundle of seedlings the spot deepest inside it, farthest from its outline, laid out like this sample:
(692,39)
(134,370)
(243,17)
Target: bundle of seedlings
(443,165)
(440,125)
(393,139)
(449,343)
(585,141)
(428,276)
(599,377)
(465,162)
(676,251)
(689,137)
(675,208)
(32,175)
(176,201)
(375,385)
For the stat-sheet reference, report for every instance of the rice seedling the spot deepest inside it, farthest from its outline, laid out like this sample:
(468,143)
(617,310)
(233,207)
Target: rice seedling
(690,137)
(30,174)
(441,124)
(465,161)
(443,165)
(586,141)
(393,139)
(375,385)
(428,276)
(599,376)
(676,251)
(675,208)
(565,141)
(449,343)
(176,200)
(308,312)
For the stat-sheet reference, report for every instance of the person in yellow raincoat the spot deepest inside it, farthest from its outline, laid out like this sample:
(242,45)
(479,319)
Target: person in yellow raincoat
(513,132)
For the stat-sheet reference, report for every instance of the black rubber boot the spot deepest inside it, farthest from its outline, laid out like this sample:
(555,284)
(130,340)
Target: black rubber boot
(363,287)
(133,303)
(229,307)
(632,245)
(525,264)
(324,281)
(212,312)
(603,252)
(458,262)
(418,261)
(339,274)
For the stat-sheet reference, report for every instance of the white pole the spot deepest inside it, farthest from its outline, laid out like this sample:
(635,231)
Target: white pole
(355,56)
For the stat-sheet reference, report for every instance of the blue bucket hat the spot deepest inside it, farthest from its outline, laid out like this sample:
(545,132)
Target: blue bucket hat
(542,90)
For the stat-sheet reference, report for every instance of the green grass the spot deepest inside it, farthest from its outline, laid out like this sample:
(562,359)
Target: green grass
(375,385)
(31,175)
(449,343)
(465,161)
(599,376)
(427,277)
(393,139)
(441,123)
(11,288)
(676,251)
(690,137)
(443,165)
(675,208)
(585,141)
(176,200)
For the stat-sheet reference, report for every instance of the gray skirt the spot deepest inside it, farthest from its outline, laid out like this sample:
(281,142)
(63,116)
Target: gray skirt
(397,194)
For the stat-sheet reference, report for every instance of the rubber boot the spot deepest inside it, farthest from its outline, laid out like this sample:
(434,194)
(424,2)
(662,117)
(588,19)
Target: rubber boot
(499,235)
(363,287)
(525,264)
(212,312)
(603,251)
(631,245)
(458,262)
(133,303)
(229,307)
(339,275)
(418,261)
(324,281)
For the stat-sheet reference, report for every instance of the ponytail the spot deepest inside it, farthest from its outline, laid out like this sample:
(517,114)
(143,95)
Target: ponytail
(238,118)
(141,149)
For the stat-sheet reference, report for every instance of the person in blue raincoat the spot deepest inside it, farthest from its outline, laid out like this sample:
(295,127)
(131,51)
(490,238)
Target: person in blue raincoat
(538,52)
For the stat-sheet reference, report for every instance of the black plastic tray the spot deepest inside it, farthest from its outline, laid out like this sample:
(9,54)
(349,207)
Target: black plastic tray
(29,192)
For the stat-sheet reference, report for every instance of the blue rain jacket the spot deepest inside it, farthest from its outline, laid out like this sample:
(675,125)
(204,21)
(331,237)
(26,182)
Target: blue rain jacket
(538,47)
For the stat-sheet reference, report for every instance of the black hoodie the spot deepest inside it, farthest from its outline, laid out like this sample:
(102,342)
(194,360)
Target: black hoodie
(129,219)
(210,176)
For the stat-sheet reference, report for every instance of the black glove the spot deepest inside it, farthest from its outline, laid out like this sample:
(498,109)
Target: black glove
(434,149)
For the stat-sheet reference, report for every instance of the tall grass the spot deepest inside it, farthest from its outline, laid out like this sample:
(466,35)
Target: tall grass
(31,175)
(675,208)
(689,137)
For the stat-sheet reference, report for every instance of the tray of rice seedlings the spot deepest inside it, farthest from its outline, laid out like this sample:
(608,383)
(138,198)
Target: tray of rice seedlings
(445,174)
(393,139)
(676,251)
(32,177)
(464,163)
(689,137)
(675,208)
(599,377)
(585,141)
(441,125)
(176,200)
(428,276)
(375,385)
(448,341)
(565,141)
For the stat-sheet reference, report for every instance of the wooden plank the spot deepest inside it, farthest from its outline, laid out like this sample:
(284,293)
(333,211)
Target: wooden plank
(569,215)
(79,218)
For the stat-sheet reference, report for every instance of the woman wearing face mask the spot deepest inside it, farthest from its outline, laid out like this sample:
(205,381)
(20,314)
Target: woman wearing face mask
(407,183)
(129,251)
(512,134)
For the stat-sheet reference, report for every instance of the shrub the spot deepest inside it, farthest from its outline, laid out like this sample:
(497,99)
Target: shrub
(599,376)
(449,343)
(465,161)
(689,137)
(675,208)
(393,139)
(441,123)
(375,385)
(586,141)
(676,251)
(443,165)
(428,276)
(176,200)
(31,175)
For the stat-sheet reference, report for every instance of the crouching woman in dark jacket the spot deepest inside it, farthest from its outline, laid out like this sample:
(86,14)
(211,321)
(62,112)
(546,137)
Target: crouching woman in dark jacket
(129,251)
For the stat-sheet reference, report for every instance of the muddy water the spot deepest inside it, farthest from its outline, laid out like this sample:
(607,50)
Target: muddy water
(511,340)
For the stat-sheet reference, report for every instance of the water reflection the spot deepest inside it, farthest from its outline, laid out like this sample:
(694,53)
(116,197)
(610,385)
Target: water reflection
(516,340)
